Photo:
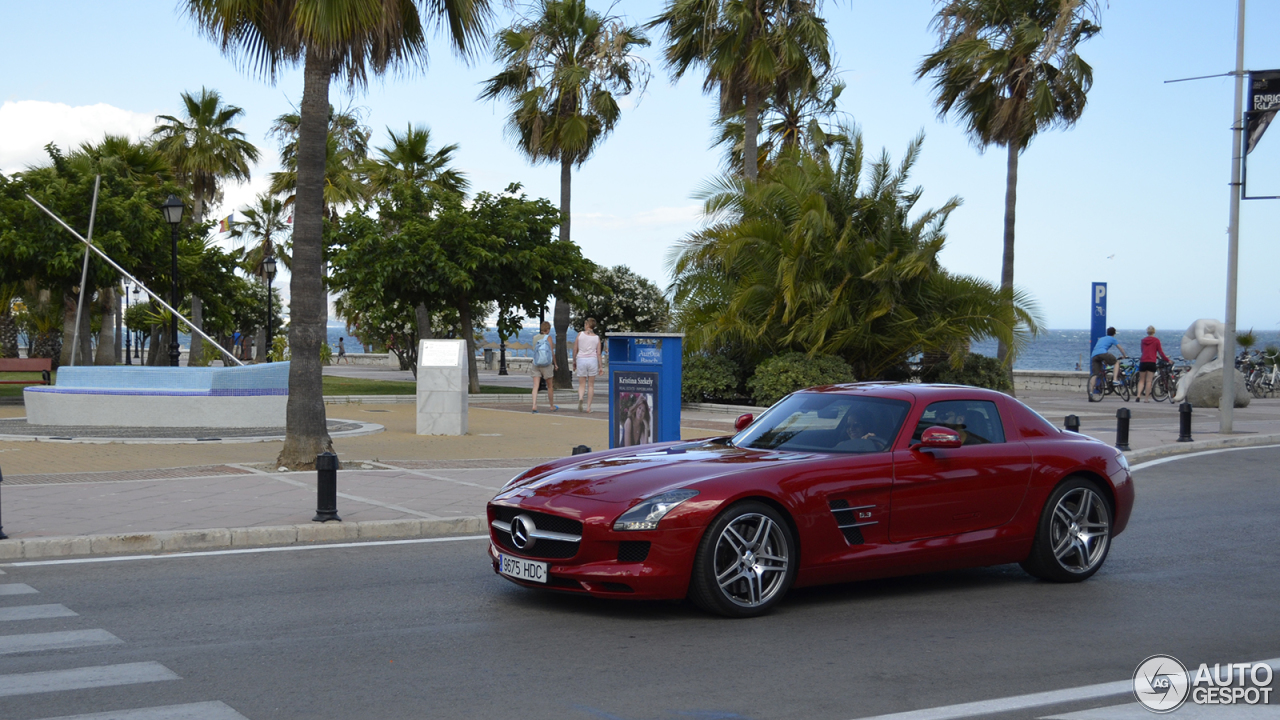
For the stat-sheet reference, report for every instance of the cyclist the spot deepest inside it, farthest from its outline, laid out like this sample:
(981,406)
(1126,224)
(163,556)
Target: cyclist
(1102,356)
(1151,349)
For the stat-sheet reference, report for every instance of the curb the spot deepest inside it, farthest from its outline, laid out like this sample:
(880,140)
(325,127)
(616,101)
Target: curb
(1155,453)
(221,538)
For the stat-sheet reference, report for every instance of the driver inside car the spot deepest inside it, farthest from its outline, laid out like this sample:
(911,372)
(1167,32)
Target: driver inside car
(856,434)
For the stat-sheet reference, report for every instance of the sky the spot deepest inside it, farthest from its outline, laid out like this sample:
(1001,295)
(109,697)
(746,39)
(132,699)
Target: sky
(1135,194)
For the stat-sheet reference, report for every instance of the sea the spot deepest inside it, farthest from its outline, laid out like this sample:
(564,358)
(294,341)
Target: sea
(1069,349)
(1050,350)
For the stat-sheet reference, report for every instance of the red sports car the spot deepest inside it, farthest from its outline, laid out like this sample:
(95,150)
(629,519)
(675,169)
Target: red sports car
(831,484)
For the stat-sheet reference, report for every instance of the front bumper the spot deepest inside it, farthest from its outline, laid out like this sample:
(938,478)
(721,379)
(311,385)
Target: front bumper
(603,567)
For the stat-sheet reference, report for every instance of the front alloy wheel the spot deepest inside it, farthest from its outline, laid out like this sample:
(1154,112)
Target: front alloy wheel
(745,562)
(1074,535)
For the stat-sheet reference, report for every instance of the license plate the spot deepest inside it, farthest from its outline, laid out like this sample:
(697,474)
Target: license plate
(521,569)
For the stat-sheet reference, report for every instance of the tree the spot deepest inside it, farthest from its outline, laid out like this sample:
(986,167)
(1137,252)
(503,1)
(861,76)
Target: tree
(346,151)
(409,158)
(428,248)
(204,148)
(1010,69)
(624,302)
(819,257)
(750,49)
(561,72)
(346,39)
(256,234)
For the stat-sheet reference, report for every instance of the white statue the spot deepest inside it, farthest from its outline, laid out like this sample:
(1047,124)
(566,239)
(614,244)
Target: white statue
(1202,341)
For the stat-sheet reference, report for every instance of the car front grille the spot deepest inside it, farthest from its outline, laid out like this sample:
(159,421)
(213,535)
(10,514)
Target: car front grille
(545,548)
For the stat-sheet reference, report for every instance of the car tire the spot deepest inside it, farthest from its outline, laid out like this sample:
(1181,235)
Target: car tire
(1073,536)
(746,562)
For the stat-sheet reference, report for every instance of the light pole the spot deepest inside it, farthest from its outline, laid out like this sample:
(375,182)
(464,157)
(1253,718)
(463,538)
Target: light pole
(128,334)
(269,269)
(173,214)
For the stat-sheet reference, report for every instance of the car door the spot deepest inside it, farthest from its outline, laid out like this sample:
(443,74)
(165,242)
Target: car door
(941,492)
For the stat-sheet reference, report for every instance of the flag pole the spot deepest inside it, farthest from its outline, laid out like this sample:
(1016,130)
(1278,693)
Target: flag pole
(84,272)
(1227,351)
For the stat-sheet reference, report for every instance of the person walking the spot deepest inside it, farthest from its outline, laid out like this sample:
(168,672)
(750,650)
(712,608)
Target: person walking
(1102,356)
(342,352)
(1151,349)
(543,366)
(586,362)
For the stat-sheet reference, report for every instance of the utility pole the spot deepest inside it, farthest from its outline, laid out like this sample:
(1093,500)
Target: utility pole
(1226,406)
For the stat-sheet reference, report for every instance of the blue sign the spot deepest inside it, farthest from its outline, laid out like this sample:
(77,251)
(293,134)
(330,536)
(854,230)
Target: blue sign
(1098,315)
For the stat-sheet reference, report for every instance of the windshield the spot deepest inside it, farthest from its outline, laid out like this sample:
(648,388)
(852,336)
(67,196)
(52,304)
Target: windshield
(826,422)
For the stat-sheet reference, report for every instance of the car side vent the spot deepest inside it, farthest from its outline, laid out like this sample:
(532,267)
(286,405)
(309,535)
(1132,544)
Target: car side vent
(847,520)
(631,551)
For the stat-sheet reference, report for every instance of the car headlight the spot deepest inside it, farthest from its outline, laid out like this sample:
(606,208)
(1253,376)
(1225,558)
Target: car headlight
(1124,461)
(515,480)
(645,516)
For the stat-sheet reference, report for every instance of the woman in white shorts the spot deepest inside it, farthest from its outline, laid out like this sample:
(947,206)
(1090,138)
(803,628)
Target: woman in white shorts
(586,362)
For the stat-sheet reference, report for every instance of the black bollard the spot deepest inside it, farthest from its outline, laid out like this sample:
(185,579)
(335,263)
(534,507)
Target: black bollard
(581,450)
(2,535)
(326,488)
(1122,429)
(1184,422)
(1072,424)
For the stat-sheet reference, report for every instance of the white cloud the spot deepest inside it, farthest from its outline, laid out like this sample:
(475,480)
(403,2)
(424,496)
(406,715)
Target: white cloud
(26,126)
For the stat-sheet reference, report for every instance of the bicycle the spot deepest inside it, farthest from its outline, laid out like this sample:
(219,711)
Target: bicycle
(1165,383)
(1263,383)
(1100,386)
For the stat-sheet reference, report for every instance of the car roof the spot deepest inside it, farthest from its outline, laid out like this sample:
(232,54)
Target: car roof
(925,392)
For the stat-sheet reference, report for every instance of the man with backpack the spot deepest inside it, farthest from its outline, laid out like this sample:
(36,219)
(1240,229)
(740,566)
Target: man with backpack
(544,364)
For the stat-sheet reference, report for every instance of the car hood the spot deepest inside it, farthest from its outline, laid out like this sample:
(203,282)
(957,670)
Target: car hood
(647,471)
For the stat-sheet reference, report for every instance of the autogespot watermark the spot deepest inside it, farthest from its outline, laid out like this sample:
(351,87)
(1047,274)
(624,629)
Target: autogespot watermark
(1162,684)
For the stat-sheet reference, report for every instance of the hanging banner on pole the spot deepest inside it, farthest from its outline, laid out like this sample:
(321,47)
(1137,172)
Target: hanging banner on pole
(1264,102)
(1098,314)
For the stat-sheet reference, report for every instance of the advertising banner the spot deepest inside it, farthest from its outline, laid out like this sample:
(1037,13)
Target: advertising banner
(635,408)
(1264,101)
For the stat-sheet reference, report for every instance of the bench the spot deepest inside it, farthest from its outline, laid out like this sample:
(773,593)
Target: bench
(44,366)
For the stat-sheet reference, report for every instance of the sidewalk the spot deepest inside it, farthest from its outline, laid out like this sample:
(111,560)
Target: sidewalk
(75,498)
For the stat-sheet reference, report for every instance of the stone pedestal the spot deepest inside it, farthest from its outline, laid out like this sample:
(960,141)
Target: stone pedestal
(1206,388)
(442,387)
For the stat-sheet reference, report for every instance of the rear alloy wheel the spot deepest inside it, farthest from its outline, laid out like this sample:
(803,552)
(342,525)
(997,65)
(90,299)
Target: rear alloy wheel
(746,562)
(1074,535)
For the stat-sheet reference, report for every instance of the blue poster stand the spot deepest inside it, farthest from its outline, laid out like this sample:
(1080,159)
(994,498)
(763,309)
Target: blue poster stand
(644,388)
(1097,316)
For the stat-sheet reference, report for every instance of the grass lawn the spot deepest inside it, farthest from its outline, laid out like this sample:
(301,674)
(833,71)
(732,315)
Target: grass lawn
(9,391)
(335,385)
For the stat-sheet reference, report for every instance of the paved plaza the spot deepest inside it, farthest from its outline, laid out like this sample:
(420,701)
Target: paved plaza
(93,495)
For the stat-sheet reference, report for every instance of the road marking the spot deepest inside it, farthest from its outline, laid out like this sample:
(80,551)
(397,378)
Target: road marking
(1171,458)
(1189,711)
(193,711)
(36,642)
(17,589)
(242,551)
(86,677)
(357,498)
(1036,700)
(441,478)
(35,612)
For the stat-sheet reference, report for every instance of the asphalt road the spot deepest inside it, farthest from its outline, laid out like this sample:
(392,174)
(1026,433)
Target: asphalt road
(427,631)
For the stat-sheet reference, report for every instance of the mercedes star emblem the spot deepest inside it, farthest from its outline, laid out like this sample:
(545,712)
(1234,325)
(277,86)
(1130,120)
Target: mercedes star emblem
(522,528)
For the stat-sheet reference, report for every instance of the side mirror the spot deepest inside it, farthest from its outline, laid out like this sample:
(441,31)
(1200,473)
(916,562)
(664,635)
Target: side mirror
(743,422)
(940,437)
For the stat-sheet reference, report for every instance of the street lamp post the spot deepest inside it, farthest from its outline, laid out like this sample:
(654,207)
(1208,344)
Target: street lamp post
(128,334)
(269,269)
(173,214)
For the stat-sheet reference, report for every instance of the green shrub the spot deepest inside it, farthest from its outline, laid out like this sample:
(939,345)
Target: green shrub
(209,352)
(784,374)
(708,378)
(978,370)
(279,348)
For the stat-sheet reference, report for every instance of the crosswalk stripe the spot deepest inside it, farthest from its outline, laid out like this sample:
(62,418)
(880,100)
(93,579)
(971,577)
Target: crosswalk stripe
(85,677)
(17,589)
(35,612)
(35,642)
(193,711)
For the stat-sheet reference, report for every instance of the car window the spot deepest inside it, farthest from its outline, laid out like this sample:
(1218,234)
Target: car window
(826,422)
(977,421)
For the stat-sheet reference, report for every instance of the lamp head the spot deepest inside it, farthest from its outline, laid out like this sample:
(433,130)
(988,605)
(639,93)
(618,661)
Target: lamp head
(173,208)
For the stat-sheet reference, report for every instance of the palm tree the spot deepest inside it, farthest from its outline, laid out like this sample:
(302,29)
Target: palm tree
(346,39)
(204,148)
(1010,69)
(346,152)
(256,234)
(562,70)
(750,49)
(823,256)
(410,159)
